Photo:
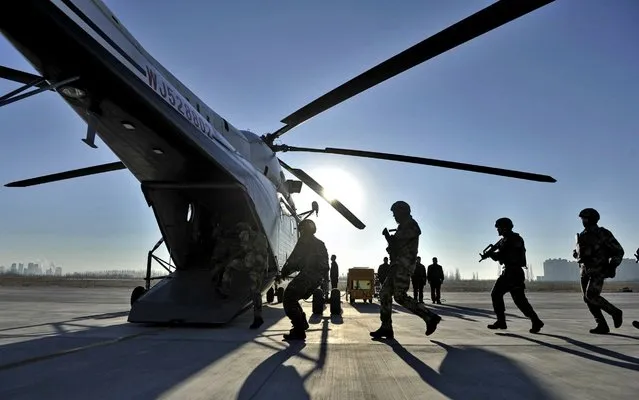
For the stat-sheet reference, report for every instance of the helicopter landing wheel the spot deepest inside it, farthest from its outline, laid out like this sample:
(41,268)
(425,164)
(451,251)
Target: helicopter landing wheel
(318,301)
(270,295)
(336,302)
(137,293)
(279,293)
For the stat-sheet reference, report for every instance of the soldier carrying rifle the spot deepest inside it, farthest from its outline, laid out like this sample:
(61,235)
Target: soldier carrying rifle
(402,249)
(510,252)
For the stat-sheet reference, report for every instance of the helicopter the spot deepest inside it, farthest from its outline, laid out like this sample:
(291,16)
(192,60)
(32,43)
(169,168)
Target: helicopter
(199,174)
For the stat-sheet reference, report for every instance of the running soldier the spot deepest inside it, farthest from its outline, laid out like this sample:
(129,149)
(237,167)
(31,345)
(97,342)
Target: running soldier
(598,254)
(511,253)
(402,249)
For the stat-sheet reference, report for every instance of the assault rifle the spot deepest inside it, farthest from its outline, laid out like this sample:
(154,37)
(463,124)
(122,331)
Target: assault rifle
(389,239)
(490,250)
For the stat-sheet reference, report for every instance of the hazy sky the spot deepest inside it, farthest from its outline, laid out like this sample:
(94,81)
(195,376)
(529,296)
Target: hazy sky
(555,92)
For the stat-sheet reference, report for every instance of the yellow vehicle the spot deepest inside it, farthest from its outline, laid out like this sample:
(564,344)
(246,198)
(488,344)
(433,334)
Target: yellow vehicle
(360,284)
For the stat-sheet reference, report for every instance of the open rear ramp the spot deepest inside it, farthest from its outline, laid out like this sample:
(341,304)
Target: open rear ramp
(198,224)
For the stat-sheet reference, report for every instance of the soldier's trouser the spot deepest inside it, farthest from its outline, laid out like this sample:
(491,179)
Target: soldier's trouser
(334,283)
(435,291)
(511,280)
(396,286)
(256,294)
(418,291)
(299,288)
(591,287)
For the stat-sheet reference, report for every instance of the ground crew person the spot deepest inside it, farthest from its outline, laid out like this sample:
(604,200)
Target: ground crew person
(419,280)
(435,278)
(334,272)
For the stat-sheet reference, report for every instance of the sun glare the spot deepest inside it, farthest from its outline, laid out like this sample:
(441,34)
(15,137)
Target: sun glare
(339,184)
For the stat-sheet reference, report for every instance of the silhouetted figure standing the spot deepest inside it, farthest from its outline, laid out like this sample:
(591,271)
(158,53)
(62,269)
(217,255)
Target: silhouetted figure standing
(382,271)
(435,278)
(402,249)
(419,280)
(598,254)
(511,253)
(334,272)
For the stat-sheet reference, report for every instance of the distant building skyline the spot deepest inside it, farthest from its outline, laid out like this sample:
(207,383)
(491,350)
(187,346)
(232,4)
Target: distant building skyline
(562,270)
(33,268)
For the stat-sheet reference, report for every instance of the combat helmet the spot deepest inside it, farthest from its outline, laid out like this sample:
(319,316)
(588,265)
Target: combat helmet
(307,225)
(400,206)
(590,214)
(504,223)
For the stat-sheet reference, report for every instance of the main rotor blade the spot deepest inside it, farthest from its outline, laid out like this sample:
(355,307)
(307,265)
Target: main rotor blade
(427,161)
(76,173)
(317,188)
(481,22)
(20,76)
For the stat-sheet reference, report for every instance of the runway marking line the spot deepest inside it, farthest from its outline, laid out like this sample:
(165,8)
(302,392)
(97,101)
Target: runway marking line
(77,349)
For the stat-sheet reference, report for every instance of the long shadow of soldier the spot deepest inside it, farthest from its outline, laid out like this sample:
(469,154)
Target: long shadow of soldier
(272,379)
(471,311)
(474,373)
(632,362)
(373,308)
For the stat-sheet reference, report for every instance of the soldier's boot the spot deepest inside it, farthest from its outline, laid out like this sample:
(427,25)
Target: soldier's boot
(257,322)
(617,318)
(432,323)
(602,327)
(635,324)
(295,334)
(537,324)
(382,332)
(499,324)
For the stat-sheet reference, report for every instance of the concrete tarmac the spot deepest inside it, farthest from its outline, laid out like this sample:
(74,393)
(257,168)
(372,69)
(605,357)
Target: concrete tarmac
(69,343)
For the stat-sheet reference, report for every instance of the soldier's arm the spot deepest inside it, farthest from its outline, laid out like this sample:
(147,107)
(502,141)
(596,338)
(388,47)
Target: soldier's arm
(292,262)
(407,232)
(616,251)
(323,257)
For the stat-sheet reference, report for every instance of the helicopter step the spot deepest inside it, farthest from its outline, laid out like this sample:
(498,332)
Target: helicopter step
(189,297)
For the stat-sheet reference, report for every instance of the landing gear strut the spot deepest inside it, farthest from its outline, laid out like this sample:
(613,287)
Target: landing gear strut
(140,291)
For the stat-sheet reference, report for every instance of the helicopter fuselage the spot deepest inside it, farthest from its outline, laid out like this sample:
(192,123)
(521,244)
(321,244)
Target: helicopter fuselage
(199,173)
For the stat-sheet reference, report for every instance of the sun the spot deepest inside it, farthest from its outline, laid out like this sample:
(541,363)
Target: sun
(338,184)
